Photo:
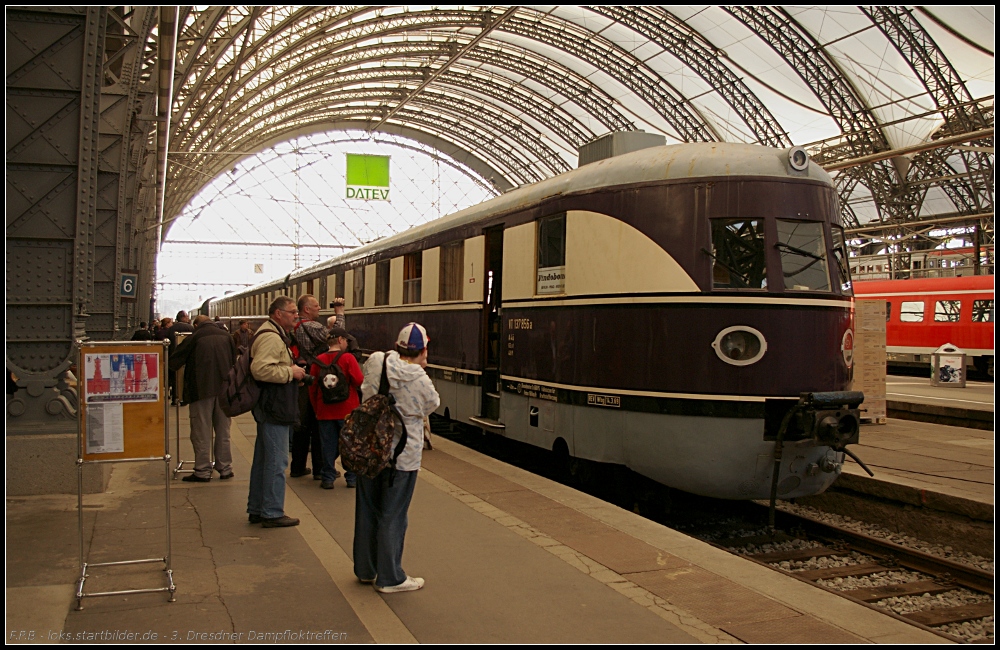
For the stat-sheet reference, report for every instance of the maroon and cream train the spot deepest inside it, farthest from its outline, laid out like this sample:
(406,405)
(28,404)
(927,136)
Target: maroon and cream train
(662,310)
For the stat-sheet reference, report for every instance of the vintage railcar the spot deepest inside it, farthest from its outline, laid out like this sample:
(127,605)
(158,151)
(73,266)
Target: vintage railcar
(663,310)
(923,315)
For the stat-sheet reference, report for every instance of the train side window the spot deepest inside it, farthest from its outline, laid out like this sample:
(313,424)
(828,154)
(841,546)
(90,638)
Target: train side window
(359,286)
(412,275)
(738,252)
(803,255)
(982,311)
(912,312)
(551,276)
(382,283)
(338,285)
(452,267)
(888,310)
(947,311)
(840,256)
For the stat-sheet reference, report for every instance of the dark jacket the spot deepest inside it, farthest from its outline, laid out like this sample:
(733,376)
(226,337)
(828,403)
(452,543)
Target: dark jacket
(172,333)
(142,335)
(207,355)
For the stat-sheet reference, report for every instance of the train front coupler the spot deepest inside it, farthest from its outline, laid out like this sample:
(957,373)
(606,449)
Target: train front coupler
(832,419)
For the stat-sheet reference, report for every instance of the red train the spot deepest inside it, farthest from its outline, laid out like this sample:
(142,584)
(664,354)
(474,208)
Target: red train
(923,315)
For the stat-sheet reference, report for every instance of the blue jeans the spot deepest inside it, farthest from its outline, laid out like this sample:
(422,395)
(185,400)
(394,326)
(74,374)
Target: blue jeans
(329,436)
(267,474)
(380,526)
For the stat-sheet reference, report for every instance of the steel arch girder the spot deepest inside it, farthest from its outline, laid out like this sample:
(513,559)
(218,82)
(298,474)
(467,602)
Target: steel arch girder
(498,158)
(861,130)
(946,87)
(562,80)
(661,27)
(560,123)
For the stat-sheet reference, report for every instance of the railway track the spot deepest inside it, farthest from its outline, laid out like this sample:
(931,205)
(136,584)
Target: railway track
(852,556)
(835,559)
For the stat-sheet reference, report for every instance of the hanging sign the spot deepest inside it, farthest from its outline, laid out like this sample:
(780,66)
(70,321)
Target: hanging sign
(367,177)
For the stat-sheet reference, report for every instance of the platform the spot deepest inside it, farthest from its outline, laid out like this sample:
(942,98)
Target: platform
(913,398)
(949,462)
(508,557)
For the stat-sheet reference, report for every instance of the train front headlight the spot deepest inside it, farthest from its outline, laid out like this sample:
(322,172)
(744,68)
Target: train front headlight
(740,345)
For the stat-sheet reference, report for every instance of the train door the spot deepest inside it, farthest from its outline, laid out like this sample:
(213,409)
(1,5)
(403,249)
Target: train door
(491,325)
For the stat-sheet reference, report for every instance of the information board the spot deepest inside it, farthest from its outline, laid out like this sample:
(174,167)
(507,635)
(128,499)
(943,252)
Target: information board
(122,400)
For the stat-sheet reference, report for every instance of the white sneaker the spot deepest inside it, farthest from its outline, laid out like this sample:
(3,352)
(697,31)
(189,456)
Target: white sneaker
(410,584)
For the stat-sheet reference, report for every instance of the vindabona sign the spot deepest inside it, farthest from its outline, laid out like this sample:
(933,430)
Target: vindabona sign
(367,177)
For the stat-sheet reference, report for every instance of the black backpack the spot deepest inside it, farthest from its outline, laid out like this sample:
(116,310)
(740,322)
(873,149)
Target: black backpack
(240,391)
(334,386)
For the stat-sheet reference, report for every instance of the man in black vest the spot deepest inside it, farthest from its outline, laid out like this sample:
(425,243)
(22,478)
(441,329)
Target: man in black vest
(208,354)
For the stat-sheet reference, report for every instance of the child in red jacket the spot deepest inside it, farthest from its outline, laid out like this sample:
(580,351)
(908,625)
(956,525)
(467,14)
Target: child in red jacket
(331,416)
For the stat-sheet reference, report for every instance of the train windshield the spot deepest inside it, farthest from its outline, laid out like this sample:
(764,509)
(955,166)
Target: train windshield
(738,251)
(841,259)
(803,255)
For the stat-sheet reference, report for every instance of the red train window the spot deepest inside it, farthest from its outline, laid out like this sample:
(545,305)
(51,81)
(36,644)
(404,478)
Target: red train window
(912,312)
(982,311)
(947,311)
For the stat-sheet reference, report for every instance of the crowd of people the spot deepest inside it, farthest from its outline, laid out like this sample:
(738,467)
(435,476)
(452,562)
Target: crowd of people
(291,355)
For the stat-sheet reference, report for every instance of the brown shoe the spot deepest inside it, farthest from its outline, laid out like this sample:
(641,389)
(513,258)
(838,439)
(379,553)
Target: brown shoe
(279,522)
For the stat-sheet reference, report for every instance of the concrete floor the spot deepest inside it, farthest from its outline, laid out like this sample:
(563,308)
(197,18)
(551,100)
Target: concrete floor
(509,557)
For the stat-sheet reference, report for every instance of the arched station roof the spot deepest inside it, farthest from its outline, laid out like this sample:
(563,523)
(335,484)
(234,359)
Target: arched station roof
(119,115)
(516,90)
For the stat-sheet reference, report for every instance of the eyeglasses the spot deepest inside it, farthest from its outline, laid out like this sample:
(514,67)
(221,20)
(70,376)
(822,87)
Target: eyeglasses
(290,311)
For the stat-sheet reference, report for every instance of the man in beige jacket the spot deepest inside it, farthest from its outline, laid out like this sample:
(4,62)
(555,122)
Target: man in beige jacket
(276,412)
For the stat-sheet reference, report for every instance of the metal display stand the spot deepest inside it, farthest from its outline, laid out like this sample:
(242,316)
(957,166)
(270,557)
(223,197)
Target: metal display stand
(140,401)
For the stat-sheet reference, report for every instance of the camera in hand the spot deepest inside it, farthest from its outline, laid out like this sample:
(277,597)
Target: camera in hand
(308,379)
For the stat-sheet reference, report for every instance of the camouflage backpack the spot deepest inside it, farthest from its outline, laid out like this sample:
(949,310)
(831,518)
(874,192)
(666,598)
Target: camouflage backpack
(366,437)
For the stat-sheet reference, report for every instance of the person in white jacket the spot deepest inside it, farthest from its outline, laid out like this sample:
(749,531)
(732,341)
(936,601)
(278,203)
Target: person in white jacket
(380,513)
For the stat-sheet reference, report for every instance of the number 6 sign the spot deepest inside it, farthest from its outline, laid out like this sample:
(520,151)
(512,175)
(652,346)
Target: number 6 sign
(128,285)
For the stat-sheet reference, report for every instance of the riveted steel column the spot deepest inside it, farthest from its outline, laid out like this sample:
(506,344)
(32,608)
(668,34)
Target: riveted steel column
(53,93)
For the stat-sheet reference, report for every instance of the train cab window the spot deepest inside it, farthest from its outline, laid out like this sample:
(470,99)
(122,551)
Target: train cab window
(947,311)
(982,311)
(738,252)
(452,267)
(359,286)
(382,283)
(803,255)
(840,257)
(551,276)
(912,312)
(412,273)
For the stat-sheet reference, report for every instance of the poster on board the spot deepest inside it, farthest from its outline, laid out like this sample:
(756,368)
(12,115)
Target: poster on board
(121,377)
(105,428)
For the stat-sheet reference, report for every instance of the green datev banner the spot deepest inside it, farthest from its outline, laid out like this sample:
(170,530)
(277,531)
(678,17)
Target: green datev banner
(367,177)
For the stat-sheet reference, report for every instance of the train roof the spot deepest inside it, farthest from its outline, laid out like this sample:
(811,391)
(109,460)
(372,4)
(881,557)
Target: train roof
(924,285)
(671,162)
(691,160)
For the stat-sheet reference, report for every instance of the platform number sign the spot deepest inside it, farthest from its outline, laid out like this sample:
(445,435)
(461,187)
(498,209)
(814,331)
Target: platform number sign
(128,285)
